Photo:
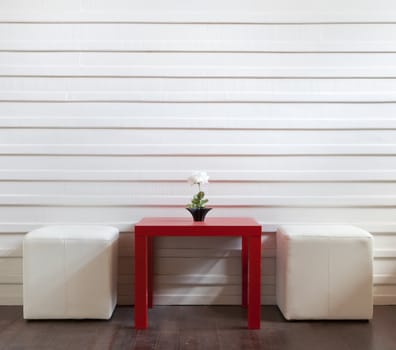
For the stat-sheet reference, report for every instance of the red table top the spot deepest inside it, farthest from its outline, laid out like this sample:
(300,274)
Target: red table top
(221,226)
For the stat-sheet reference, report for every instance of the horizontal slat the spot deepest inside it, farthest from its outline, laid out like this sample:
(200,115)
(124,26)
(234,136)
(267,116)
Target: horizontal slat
(218,253)
(203,17)
(213,46)
(225,289)
(385,266)
(198,149)
(376,228)
(215,266)
(188,164)
(196,266)
(196,279)
(10,246)
(240,189)
(385,290)
(205,123)
(121,86)
(195,300)
(196,290)
(220,201)
(193,279)
(385,253)
(384,279)
(181,176)
(11,294)
(384,299)
(206,265)
(198,37)
(199,72)
(199,97)
(204,64)
(192,90)
(10,270)
(197,64)
(195,111)
(384,242)
(31,216)
(261,138)
(202,11)
(229,12)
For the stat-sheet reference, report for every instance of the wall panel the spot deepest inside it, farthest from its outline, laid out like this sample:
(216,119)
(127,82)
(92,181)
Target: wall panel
(107,107)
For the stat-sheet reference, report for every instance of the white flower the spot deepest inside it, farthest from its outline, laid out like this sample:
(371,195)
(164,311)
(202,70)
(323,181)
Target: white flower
(198,178)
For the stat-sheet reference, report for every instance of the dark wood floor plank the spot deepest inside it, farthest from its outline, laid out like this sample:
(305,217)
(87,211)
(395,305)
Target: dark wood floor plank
(199,339)
(197,328)
(168,340)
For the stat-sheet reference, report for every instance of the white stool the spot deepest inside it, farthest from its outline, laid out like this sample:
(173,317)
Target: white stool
(324,272)
(70,272)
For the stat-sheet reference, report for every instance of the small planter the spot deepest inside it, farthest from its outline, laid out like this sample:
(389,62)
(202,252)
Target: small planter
(199,214)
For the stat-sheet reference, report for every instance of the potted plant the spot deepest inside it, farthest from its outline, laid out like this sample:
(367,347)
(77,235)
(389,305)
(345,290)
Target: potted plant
(197,207)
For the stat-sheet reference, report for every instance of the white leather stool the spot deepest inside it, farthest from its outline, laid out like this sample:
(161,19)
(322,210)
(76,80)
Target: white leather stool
(70,272)
(324,272)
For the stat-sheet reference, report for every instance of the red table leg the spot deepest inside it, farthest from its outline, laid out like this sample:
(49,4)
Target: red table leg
(244,270)
(141,282)
(254,279)
(150,271)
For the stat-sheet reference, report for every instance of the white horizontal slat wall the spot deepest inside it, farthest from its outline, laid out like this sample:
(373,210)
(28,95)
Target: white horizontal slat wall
(107,107)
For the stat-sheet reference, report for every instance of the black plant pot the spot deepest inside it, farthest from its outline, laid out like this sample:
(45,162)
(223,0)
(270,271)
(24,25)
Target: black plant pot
(199,214)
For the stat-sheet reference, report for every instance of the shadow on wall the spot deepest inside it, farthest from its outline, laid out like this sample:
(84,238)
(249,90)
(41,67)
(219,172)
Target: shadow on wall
(197,271)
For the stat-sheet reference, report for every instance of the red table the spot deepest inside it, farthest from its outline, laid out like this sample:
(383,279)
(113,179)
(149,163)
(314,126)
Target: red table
(247,228)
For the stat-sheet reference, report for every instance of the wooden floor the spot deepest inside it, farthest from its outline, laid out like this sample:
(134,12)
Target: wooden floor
(198,327)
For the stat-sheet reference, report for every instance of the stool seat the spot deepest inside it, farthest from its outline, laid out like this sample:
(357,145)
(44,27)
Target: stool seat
(324,272)
(70,271)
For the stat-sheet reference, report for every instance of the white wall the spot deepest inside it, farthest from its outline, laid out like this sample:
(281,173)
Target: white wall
(107,106)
